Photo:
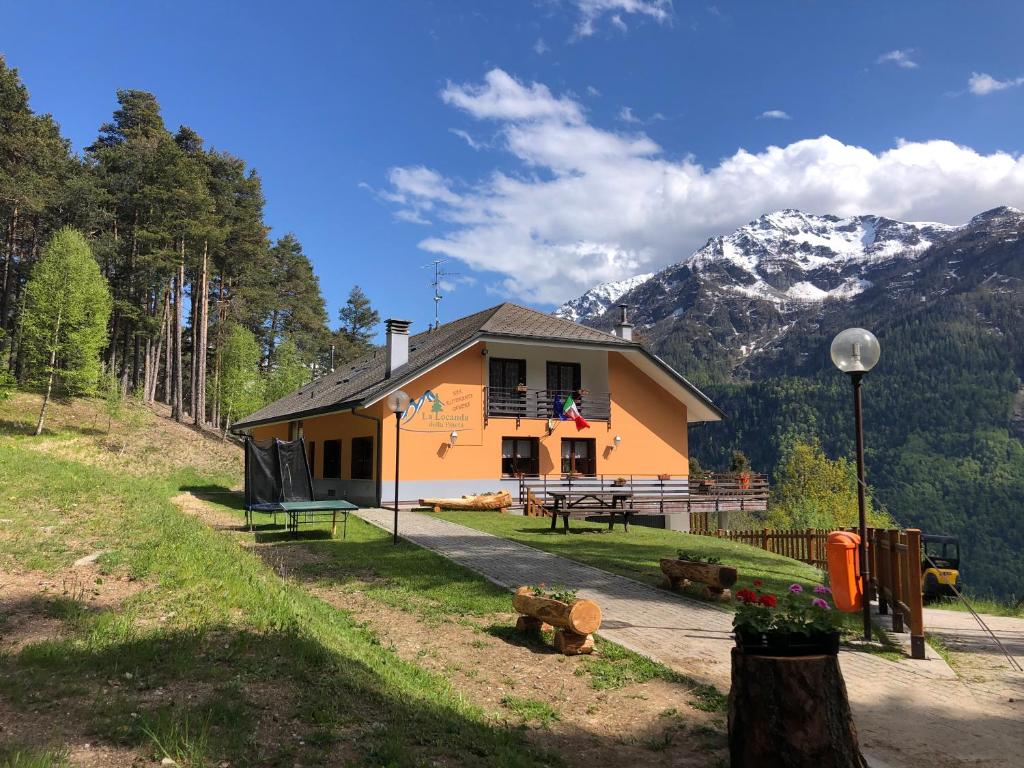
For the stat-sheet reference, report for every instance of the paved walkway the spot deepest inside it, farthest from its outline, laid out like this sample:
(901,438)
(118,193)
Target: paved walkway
(909,713)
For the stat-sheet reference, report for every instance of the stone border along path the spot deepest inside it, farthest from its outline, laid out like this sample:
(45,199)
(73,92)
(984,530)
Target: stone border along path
(907,712)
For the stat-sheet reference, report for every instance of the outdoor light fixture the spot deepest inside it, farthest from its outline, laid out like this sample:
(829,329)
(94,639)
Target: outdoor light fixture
(453,438)
(398,402)
(617,440)
(855,351)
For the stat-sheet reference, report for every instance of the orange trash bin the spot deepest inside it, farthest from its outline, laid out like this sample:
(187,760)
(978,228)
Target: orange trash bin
(843,555)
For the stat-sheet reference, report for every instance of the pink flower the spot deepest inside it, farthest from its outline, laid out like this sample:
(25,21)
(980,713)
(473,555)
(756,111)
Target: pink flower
(758,582)
(822,590)
(819,603)
(795,588)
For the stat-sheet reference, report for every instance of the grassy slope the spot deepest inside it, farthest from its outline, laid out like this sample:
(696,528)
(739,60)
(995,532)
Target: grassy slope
(216,618)
(636,554)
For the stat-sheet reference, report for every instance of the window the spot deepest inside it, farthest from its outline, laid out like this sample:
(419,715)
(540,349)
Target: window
(520,455)
(362,458)
(332,458)
(578,456)
(311,451)
(507,377)
(564,377)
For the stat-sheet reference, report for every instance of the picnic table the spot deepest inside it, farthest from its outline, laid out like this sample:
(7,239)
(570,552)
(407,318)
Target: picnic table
(590,500)
(306,512)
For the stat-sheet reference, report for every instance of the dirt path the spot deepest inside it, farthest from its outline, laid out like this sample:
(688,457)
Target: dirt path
(975,656)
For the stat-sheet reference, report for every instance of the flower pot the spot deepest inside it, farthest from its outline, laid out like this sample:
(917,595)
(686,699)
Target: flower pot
(619,483)
(744,482)
(664,477)
(795,644)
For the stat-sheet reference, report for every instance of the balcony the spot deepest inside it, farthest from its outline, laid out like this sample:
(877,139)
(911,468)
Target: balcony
(523,403)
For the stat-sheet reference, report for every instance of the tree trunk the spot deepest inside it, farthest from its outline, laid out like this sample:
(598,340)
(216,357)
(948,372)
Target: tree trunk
(176,377)
(12,234)
(582,617)
(162,334)
(199,350)
(193,362)
(53,366)
(790,713)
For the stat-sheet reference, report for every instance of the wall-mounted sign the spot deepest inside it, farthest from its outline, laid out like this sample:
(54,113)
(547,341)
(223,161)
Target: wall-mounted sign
(445,410)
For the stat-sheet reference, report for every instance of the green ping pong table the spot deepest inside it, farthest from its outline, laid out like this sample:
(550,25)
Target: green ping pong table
(306,512)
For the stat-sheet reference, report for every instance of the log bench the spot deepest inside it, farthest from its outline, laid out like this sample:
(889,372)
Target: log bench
(716,578)
(575,622)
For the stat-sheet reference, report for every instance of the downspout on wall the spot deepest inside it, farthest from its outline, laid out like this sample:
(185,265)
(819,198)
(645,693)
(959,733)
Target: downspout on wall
(378,450)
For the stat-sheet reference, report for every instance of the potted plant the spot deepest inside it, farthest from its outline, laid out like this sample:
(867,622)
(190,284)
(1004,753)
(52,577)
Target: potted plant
(739,466)
(521,389)
(791,625)
(619,482)
(664,477)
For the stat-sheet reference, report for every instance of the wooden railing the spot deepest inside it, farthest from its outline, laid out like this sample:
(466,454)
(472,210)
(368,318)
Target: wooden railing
(661,494)
(522,403)
(895,558)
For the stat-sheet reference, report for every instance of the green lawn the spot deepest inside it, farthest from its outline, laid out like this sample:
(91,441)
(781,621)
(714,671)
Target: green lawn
(216,622)
(213,645)
(636,554)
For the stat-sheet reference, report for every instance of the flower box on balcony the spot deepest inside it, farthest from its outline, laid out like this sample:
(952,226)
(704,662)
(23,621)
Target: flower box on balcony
(521,389)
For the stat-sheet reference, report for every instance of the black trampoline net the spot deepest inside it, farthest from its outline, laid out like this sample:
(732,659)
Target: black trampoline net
(276,471)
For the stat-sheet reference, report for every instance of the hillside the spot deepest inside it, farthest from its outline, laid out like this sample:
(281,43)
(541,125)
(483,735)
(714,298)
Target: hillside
(750,317)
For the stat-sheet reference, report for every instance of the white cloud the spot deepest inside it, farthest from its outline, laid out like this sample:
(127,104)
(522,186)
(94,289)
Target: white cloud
(592,10)
(774,114)
(466,137)
(901,58)
(589,205)
(592,91)
(981,84)
(626,115)
(540,47)
(502,97)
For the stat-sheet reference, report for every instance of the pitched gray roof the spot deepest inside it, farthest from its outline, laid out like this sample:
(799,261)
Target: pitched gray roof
(363,381)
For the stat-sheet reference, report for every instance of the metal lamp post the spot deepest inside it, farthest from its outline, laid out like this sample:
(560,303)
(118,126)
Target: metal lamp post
(398,402)
(855,351)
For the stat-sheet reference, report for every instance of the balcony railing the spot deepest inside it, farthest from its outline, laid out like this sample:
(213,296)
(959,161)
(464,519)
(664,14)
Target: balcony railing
(521,403)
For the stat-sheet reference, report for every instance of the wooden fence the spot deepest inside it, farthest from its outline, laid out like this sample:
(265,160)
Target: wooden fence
(806,545)
(894,556)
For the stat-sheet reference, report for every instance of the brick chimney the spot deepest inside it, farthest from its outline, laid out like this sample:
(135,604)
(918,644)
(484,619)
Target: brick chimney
(623,328)
(398,345)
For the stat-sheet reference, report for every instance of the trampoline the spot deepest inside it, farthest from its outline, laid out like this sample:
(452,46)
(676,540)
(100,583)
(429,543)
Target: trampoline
(278,480)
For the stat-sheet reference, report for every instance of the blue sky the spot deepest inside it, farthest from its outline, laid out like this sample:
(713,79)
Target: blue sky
(546,146)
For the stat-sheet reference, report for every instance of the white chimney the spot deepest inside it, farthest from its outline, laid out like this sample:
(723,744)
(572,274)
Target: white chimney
(398,345)
(623,328)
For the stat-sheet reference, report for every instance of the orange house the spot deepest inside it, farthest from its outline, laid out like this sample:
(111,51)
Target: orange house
(485,394)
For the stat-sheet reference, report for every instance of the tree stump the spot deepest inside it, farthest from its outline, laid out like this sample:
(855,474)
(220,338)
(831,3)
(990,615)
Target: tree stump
(790,712)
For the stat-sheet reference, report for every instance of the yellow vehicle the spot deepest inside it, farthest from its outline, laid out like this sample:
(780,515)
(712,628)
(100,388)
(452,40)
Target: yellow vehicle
(940,565)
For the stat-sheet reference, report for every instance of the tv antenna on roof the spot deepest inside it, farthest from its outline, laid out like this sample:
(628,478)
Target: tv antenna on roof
(436,282)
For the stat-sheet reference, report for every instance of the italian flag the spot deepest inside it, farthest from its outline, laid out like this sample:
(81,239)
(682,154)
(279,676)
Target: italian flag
(570,411)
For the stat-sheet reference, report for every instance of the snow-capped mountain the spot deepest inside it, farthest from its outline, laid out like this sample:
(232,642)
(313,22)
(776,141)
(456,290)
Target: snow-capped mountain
(599,299)
(742,294)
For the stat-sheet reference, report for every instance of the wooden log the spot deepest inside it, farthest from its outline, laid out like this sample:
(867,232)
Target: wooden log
(582,617)
(717,576)
(571,644)
(790,713)
(501,500)
(530,624)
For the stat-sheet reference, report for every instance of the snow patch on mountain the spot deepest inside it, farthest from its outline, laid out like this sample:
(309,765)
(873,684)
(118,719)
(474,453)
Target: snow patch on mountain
(599,299)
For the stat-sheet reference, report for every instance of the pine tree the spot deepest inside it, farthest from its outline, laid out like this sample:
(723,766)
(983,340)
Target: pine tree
(299,311)
(358,318)
(67,306)
(36,173)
